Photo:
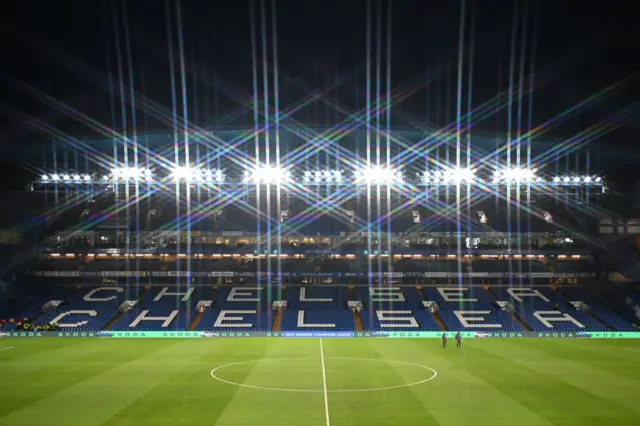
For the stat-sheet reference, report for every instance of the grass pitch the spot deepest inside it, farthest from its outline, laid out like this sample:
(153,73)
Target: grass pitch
(69,382)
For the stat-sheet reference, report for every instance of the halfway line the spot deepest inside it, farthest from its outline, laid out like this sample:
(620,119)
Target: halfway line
(324,385)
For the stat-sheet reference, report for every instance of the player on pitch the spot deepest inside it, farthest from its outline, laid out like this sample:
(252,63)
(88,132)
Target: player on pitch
(444,340)
(458,339)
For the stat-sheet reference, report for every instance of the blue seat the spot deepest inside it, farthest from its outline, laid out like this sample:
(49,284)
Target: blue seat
(236,320)
(398,320)
(330,320)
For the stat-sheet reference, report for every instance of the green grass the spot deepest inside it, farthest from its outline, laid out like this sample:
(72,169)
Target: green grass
(92,382)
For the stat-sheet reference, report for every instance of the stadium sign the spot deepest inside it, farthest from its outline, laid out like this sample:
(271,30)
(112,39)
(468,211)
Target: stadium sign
(320,334)
(229,274)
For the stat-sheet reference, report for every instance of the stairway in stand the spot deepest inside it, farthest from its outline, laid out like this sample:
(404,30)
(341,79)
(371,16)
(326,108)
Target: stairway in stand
(277,321)
(436,315)
(357,319)
(513,315)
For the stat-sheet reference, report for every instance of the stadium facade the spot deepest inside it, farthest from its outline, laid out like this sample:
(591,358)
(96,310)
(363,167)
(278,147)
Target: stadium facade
(327,229)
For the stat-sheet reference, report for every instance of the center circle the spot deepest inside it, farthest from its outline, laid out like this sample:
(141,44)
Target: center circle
(290,362)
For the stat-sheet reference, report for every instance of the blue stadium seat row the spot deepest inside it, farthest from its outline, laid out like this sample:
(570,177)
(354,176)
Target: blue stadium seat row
(324,308)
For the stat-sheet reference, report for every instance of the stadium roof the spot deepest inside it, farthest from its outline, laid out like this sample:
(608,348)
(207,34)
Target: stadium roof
(602,157)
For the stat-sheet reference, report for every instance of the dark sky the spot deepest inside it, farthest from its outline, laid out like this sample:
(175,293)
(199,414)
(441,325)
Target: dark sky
(59,58)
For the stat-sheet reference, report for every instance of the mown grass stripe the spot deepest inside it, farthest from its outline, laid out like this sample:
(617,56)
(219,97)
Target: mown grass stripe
(47,376)
(93,401)
(560,385)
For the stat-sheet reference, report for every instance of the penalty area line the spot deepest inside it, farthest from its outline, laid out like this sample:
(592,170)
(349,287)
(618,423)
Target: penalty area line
(324,385)
(7,348)
(633,350)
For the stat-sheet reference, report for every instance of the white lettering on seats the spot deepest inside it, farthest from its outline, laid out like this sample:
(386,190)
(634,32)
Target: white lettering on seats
(224,316)
(519,293)
(165,292)
(559,317)
(390,294)
(389,319)
(301,323)
(241,294)
(89,296)
(455,294)
(56,320)
(143,317)
(474,321)
(303,297)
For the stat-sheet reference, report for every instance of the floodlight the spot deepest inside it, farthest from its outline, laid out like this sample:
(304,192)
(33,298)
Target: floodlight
(566,179)
(458,175)
(598,179)
(322,176)
(455,176)
(516,175)
(351,216)
(587,179)
(218,175)
(137,173)
(519,175)
(55,177)
(182,173)
(576,179)
(66,177)
(482,217)
(556,179)
(267,174)
(76,177)
(213,175)
(86,177)
(45,178)
(377,175)
(196,175)
(127,173)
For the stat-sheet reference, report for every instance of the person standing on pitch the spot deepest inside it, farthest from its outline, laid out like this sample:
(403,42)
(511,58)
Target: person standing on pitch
(444,340)
(458,339)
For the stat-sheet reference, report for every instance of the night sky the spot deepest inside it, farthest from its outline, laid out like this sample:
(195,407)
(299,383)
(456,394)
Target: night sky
(62,55)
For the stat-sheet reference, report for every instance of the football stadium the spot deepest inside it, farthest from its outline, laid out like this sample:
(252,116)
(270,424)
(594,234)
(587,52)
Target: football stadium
(353,272)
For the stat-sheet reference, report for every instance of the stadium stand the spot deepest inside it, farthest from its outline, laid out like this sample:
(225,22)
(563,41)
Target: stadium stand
(161,308)
(511,268)
(471,308)
(313,308)
(543,310)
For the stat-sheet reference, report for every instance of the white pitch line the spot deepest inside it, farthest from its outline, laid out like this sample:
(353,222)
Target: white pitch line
(324,385)
(8,347)
(634,350)
(383,388)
